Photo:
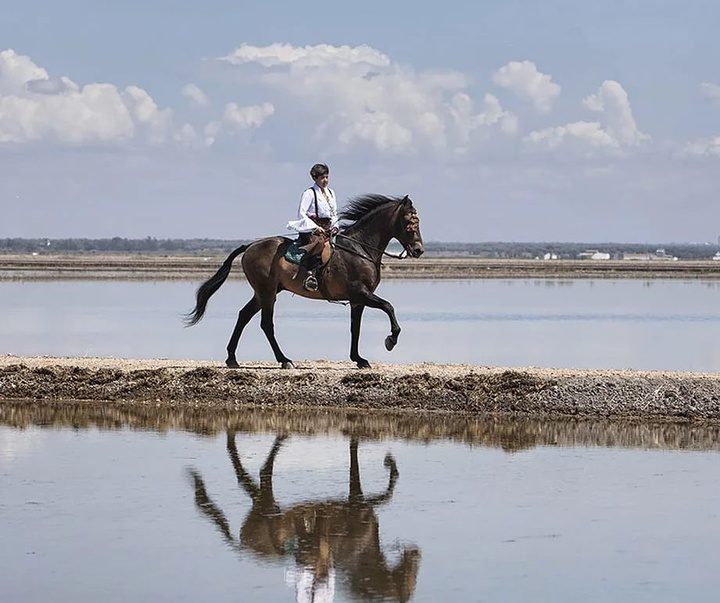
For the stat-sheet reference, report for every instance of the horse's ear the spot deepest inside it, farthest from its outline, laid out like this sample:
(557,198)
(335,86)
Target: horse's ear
(406,200)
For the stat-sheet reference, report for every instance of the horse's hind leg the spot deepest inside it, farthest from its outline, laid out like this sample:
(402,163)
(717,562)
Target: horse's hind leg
(268,327)
(249,310)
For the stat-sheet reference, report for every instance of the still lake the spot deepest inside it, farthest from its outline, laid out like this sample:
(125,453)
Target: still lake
(593,324)
(589,513)
(581,511)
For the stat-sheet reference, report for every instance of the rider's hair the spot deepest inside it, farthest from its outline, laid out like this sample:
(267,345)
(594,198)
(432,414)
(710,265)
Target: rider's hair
(319,169)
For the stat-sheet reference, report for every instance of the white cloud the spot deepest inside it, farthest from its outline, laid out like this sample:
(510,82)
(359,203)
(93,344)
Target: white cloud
(36,108)
(612,101)
(616,131)
(195,95)
(186,135)
(322,55)
(16,70)
(468,122)
(710,91)
(709,146)
(705,146)
(357,96)
(146,113)
(580,134)
(95,113)
(246,118)
(524,79)
(234,119)
(210,133)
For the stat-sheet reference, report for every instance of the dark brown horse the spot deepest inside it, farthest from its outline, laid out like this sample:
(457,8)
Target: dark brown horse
(352,274)
(341,534)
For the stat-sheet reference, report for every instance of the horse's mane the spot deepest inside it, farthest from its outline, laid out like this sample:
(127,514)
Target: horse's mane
(360,207)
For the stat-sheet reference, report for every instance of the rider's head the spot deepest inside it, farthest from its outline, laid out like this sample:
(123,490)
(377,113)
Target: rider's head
(320,173)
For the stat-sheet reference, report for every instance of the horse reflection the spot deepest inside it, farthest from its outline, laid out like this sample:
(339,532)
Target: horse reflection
(322,536)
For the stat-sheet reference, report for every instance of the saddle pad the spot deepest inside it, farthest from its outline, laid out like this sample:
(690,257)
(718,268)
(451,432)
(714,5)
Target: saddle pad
(294,254)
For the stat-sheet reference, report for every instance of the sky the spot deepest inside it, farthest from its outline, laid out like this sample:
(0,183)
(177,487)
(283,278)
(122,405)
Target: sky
(520,120)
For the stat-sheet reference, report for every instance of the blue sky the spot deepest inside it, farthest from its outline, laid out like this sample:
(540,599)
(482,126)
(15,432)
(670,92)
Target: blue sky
(514,121)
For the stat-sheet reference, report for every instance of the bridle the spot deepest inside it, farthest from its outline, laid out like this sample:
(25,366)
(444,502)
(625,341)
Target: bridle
(412,226)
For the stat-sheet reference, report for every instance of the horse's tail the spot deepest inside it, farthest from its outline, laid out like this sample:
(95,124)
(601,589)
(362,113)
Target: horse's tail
(209,287)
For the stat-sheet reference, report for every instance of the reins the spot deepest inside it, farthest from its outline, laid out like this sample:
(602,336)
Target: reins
(399,256)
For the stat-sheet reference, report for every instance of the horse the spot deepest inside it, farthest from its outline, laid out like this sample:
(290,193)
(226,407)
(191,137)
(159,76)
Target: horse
(323,535)
(352,274)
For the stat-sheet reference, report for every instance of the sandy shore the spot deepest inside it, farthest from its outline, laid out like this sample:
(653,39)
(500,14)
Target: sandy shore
(433,388)
(199,268)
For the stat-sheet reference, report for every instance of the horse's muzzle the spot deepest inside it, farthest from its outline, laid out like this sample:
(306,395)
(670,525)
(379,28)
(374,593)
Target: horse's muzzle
(416,251)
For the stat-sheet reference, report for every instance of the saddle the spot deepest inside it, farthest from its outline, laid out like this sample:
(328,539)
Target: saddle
(319,246)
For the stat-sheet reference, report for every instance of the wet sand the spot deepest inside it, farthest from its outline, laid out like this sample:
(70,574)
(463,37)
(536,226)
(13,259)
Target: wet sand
(317,385)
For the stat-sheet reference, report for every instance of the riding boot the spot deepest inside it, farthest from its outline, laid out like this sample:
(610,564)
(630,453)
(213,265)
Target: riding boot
(312,245)
(311,262)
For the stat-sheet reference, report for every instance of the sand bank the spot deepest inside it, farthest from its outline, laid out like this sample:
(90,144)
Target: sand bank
(427,388)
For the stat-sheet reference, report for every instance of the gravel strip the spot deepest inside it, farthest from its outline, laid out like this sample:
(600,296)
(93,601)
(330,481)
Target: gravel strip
(438,388)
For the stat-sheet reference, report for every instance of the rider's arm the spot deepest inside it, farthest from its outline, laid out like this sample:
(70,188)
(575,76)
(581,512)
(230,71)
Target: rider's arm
(307,203)
(305,223)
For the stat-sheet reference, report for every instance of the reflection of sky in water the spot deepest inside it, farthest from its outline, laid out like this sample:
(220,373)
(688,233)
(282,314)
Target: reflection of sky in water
(16,444)
(111,516)
(576,324)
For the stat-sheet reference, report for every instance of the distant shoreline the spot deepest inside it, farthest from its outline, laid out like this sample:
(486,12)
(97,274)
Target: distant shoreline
(28,267)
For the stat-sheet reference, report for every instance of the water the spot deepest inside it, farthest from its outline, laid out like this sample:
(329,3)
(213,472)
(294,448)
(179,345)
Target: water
(504,512)
(103,504)
(663,325)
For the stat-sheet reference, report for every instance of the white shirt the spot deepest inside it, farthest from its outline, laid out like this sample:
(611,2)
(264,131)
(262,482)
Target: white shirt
(308,589)
(326,208)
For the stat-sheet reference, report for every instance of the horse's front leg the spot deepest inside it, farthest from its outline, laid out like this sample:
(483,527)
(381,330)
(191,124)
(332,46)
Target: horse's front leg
(378,302)
(356,312)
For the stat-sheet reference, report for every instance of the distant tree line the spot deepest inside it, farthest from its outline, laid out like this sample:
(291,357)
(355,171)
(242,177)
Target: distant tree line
(570,251)
(497,249)
(117,245)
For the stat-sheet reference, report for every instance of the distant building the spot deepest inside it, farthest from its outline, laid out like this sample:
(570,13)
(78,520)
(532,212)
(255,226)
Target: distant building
(593,254)
(648,257)
(641,257)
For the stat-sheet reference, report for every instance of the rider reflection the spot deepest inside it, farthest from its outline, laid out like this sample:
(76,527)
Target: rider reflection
(324,538)
(314,573)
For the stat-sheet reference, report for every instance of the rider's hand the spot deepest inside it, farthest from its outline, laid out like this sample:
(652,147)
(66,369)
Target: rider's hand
(334,230)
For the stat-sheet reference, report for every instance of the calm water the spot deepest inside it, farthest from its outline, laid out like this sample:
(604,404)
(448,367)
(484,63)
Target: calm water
(512,512)
(668,325)
(91,509)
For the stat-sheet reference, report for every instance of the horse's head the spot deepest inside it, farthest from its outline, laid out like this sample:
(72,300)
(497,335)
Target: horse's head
(407,228)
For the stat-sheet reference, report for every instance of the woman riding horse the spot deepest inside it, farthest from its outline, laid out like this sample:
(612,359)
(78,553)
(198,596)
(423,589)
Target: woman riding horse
(317,221)
(352,273)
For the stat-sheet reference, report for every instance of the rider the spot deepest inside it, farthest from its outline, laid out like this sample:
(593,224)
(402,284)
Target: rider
(317,220)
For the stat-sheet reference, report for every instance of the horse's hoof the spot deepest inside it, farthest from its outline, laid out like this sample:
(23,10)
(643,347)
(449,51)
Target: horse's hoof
(391,465)
(362,363)
(232,363)
(287,365)
(390,343)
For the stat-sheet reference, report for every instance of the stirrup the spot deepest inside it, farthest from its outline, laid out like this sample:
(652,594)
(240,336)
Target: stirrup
(310,283)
